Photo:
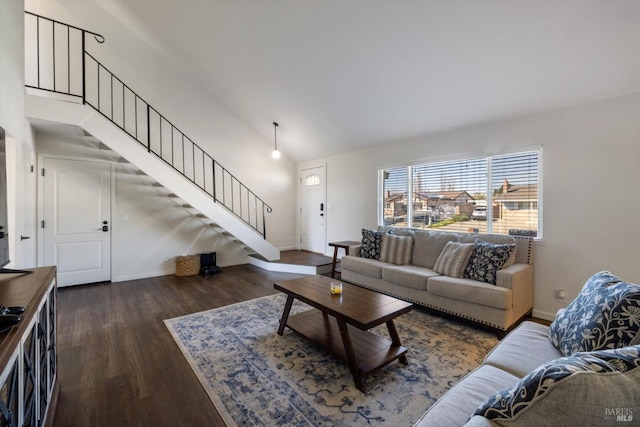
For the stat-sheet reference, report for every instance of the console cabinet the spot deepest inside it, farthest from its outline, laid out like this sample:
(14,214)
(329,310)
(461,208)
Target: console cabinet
(28,359)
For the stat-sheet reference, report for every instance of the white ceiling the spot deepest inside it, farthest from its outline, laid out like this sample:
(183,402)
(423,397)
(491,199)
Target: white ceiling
(342,75)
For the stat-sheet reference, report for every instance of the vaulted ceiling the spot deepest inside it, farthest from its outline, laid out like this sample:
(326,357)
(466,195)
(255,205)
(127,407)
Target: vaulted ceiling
(343,75)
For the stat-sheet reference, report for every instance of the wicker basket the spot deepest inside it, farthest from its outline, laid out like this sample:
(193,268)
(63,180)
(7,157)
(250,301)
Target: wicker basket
(187,265)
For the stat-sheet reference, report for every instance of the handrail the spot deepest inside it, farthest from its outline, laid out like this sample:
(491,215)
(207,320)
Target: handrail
(102,90)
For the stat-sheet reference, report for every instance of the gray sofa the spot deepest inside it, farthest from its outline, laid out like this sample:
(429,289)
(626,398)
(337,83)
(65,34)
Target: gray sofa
(582,370)
(522,350)
(500,305)
(579,400)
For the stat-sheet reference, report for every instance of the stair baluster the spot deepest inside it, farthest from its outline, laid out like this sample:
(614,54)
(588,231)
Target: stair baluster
(96,86)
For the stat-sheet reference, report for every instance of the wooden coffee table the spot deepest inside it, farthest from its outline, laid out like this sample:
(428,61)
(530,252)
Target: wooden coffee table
(340,323)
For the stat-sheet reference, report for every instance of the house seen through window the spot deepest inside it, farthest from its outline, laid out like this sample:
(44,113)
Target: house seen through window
(495,194)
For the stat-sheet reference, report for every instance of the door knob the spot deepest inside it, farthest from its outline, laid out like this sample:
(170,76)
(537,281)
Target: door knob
(24,238)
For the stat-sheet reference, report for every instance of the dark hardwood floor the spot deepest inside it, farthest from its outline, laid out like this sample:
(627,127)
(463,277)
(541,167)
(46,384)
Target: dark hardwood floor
(118,364)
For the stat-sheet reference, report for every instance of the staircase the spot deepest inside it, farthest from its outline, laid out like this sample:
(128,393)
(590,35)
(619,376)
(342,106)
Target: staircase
(295,261)
(90,96)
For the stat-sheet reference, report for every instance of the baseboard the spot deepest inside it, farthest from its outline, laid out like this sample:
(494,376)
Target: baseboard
(143,275)
(544,315)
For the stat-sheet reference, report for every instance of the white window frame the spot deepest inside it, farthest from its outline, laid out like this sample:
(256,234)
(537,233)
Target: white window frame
(489,192)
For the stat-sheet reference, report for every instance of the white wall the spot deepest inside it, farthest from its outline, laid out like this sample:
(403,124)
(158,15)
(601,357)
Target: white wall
(590,169)
(12,69)
(148,228)
(19,133)
(234,144)
(591,200)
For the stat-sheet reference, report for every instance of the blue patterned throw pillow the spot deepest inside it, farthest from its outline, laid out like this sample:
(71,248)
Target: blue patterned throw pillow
(508,403)
(606,314)
(486,259)
(371,243)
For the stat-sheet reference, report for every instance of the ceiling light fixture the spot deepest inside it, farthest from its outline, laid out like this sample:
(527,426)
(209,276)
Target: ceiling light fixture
(276,153)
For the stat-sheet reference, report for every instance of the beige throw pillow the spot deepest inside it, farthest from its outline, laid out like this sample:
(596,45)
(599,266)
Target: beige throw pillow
(453,259)
(396,249)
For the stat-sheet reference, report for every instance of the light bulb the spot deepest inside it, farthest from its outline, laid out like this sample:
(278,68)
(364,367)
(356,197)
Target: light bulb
(275,154)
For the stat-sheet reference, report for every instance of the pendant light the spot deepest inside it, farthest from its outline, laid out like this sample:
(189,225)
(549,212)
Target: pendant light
(275,154)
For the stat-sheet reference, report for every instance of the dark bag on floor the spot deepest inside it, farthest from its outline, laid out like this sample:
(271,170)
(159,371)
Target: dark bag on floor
(208,264)
(214,269)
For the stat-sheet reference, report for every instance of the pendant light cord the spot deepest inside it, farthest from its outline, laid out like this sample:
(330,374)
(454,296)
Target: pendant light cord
(275,135)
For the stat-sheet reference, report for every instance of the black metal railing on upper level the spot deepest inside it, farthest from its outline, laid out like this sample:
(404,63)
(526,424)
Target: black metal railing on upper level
(56,60)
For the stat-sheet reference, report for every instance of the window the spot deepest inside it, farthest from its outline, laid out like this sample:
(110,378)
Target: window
(496,194)
(394,196)
(310,180)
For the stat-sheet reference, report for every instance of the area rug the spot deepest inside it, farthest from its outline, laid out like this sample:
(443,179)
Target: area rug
(256,377)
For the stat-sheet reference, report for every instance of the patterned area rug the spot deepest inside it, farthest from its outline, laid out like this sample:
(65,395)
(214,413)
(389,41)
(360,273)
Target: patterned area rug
(256,377)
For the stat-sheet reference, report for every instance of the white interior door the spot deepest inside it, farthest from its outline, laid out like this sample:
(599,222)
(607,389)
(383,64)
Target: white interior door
(313,209)
(77,220)
(26,208)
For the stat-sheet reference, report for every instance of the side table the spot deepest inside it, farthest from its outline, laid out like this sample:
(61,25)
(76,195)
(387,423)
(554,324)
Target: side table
(345,244)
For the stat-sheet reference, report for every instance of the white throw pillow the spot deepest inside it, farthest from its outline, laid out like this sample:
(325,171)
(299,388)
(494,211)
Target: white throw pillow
(453,259)
(396,249)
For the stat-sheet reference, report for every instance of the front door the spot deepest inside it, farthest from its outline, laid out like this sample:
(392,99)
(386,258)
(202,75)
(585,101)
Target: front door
(77,220)
(313,210)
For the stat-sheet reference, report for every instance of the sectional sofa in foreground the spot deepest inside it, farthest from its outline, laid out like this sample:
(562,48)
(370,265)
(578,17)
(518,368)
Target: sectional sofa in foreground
(583,370)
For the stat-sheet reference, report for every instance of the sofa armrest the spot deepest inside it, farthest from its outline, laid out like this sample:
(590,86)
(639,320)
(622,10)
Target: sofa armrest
(478,421)
(355,250)
(519,278)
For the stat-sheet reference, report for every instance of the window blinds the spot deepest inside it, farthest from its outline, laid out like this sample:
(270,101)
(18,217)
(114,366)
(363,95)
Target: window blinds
(495,194)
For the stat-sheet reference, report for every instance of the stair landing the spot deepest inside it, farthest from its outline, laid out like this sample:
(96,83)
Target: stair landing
(294,261)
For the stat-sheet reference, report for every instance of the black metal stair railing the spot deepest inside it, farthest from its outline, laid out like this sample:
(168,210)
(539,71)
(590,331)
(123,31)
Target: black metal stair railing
(56,60)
